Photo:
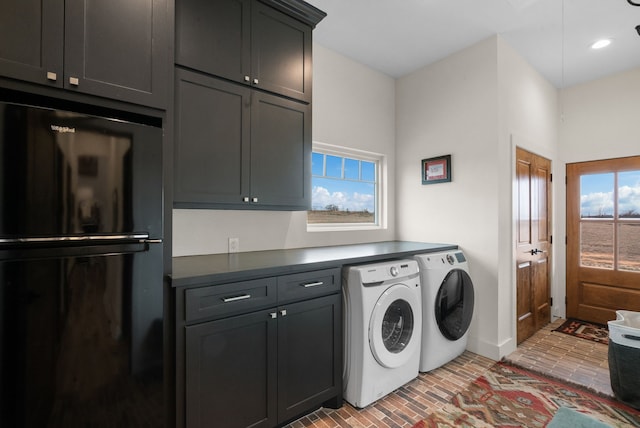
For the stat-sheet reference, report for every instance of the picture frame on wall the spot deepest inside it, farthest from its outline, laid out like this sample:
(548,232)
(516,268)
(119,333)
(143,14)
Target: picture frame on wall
(436,170)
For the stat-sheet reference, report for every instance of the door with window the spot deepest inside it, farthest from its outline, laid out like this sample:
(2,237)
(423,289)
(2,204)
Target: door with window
(533,243)
(603,238)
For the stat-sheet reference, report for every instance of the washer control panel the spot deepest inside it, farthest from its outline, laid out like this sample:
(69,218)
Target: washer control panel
(440,260)
(375,274)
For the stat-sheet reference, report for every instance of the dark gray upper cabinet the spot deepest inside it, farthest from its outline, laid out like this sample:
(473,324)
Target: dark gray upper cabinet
(212,132)
(31,42)
(243,104)
(280,152)
(280,53)
(246,41)
(237,148)
(117,49)
(214,37)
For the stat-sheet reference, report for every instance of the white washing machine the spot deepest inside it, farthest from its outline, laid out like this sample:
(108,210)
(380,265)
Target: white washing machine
(382,326)
(447,307)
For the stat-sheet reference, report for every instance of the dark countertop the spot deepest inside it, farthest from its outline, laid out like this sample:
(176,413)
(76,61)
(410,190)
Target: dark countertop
(219,268)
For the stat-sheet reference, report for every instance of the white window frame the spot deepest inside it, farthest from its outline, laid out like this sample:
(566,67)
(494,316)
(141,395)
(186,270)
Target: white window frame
(381,188)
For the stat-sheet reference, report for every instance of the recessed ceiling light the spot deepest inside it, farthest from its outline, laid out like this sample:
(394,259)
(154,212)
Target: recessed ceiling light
(601,44)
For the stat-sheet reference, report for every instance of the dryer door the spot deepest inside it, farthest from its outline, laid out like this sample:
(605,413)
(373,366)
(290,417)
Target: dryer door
(394,327)
(454,304)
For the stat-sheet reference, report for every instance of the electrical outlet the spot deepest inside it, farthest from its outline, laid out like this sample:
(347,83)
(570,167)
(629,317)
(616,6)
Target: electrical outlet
(234,245)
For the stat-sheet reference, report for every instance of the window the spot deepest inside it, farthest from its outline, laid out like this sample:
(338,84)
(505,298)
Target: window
(345,188)
(610,220)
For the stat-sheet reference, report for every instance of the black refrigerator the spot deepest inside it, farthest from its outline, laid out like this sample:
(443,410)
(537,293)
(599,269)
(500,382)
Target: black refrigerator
(81,290)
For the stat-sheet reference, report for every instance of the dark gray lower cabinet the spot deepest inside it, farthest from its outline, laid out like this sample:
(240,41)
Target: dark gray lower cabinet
(231,372)
(309,357)
(257,366)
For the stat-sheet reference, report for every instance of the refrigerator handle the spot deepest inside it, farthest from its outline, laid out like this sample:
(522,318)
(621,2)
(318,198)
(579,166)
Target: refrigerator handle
(140,237)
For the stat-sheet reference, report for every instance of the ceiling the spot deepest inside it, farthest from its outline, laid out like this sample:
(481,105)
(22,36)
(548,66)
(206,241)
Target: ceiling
(398,37)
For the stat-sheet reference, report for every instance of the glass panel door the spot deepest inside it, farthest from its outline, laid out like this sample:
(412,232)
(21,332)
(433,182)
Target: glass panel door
(603,238)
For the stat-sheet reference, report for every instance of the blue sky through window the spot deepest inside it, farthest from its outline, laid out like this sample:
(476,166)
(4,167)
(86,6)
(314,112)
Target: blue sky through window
(596,194)
(344,182)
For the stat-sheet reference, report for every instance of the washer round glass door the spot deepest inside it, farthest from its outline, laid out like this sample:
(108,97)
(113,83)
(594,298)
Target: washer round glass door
(454,304)
(394,327)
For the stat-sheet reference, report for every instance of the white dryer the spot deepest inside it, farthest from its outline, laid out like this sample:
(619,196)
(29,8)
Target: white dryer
(447,307)
(382,326)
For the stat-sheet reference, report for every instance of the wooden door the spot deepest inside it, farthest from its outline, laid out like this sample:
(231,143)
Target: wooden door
(603,238)
(533,243)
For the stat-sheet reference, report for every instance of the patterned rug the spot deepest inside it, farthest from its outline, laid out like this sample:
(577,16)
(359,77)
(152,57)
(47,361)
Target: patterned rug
(508,397)
(585,330)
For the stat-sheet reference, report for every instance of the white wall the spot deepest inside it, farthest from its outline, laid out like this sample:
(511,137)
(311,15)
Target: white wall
(470,105)
(599,120)
(528,119)
(353,106)
(451,107)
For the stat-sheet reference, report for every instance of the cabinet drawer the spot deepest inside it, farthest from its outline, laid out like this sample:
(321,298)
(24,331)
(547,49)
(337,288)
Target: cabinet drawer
(228,299)
(306,285)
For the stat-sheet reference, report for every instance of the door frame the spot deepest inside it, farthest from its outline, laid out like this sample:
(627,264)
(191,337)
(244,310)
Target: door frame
(558,296)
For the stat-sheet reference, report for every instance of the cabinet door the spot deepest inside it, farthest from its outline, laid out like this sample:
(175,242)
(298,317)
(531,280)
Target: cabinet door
(214,37)
(280,152)
(309,355)
(118,49)
(280,53)
(212,140)
(31,45)
(231,372)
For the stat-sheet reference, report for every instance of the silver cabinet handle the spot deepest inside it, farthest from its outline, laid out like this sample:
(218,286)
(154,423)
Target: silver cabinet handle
(312,284)
(245,199)
(256,81)
(247,78)
(254,199)
(283,312)
(236,298)
(52,76)
(74,81)
(273,315)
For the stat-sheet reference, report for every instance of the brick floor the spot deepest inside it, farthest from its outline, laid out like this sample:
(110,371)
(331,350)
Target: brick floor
(552,353)
(562,356)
